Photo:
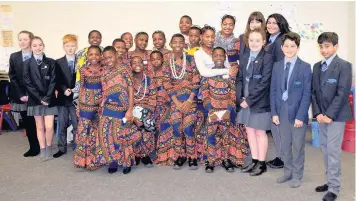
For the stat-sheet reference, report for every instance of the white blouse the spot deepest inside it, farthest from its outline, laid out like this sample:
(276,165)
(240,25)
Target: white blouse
(205,64)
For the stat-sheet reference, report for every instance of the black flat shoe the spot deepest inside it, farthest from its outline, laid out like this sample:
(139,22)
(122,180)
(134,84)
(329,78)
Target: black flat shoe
(31,153)
(113,167)
(322,188)
(193,164)
(147,162)
(209,169)
(259,169)
(178,163)
(58,154)
(126,170)
(137,160)
(248,168)
(227,164)
(276,163)
(329,197)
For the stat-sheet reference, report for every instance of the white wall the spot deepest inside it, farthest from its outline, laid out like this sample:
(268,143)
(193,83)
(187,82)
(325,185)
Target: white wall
(52,20)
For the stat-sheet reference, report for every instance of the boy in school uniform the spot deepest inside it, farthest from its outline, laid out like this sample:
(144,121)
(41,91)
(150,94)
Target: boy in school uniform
(331,85)
(65,70)
(290,101)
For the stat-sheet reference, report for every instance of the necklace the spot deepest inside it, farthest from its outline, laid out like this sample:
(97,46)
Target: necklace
(139,89)
(173,67)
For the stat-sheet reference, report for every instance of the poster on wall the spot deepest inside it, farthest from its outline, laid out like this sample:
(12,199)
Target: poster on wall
(6,36)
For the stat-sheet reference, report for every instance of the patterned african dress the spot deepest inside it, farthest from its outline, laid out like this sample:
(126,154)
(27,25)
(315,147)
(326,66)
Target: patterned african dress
(223,140)
(116,137)
(86,152)
(178,131)
(231,46)
(146,59)
(146,100)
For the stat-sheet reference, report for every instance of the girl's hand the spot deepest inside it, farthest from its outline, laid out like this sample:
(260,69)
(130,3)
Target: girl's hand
(244,104)
(24,98)
(44,103)
(129,116)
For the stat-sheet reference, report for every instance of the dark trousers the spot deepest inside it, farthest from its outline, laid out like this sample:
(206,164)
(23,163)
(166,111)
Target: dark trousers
(64,113)
(31,132)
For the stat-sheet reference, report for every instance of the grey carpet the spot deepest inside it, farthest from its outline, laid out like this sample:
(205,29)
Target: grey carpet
(28,179)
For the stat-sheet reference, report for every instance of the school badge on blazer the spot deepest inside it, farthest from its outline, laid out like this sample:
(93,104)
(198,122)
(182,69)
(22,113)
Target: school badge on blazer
(331,81)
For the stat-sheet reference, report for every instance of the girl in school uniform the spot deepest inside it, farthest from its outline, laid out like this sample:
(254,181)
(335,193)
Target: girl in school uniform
(226,39)
(40,81)
(141,42)
(87,154)
(18,94)
(252,99)
(255,20)
(276,26)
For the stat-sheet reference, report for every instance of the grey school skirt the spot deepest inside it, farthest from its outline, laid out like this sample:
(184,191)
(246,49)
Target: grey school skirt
(41,110)
(16,107)
(260,121)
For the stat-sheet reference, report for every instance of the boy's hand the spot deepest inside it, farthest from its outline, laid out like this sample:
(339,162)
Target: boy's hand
(298,124)
(67,92)
(244,104)
(327,120)
(320,118)
(275,120)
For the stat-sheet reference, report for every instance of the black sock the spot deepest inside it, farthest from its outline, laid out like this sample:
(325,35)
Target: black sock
(263,163)
(254,161)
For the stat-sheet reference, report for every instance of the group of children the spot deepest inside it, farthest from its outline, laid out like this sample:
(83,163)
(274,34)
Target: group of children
(209,99)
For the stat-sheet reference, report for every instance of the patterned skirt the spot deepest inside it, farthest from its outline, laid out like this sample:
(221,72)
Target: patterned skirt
(87,153)
(225,141)
(117,140)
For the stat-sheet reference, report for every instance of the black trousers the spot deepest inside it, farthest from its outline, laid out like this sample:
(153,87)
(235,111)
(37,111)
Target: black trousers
(31,132)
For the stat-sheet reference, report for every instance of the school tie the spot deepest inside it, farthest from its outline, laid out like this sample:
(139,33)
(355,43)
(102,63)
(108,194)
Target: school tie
(25,58)
(250,68)
(71,66)
(39,61)
(324,66)
(269,42)
(286,74)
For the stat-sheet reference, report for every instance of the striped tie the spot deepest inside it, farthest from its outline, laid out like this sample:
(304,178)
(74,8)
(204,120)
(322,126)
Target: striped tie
(324,66)
(39,61)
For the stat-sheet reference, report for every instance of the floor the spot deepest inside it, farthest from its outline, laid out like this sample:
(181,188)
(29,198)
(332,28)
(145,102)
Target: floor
(29,179)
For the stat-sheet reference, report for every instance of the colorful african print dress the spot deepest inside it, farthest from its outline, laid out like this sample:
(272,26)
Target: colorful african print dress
(178,131)
(86,152)
(144,113)
(116,137)
(223,139)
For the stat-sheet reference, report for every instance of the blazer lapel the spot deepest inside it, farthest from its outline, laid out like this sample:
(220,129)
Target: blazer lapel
(294,72)
(330,69)
(65,68)
(37,72)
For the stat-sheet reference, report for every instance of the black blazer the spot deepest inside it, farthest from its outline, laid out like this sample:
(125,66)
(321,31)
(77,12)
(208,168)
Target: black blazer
(330,96)
(17,86)
(65,80)
(275,49)
(40,81)
(258,99)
